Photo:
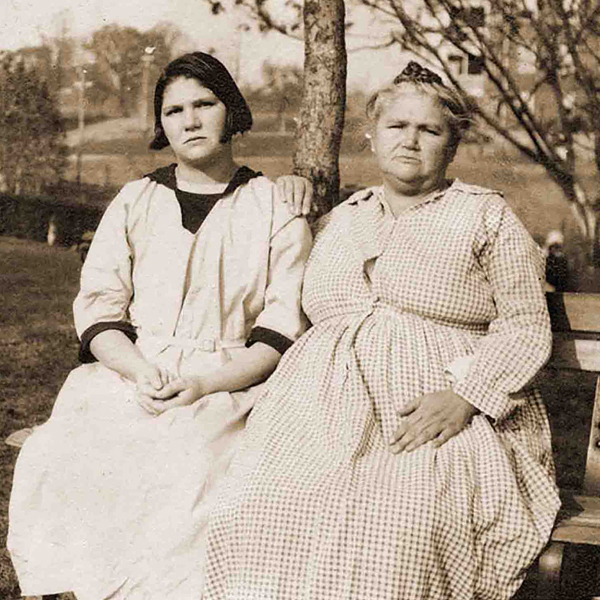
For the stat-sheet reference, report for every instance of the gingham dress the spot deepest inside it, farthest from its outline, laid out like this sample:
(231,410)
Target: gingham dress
(316,506)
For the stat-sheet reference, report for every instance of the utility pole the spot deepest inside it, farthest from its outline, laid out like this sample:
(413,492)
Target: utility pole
(147,59)
(80,85)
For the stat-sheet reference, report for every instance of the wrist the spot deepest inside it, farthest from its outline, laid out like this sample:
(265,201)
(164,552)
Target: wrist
(470,409)
(201,386)
(139,369)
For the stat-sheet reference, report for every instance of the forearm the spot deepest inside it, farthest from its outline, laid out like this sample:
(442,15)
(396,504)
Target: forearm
(249,367)
(118,353)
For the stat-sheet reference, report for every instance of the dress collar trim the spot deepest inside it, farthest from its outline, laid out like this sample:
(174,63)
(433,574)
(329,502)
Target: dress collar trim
(166,176)
(376,193)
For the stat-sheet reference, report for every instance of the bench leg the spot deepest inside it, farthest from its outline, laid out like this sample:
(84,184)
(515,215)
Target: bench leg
(550,565)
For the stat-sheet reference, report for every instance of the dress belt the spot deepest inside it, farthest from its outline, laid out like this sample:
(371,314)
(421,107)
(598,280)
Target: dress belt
(202,344)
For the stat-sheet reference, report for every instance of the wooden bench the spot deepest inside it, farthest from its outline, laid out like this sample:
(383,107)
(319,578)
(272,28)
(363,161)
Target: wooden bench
(576,347)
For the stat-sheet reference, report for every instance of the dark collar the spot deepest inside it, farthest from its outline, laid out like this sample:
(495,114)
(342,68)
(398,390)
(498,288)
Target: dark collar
(166,176)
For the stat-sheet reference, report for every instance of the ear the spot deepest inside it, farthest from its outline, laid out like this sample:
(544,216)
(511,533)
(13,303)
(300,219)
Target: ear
(369,137)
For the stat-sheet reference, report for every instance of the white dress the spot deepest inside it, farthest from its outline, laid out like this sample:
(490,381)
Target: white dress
(108,501)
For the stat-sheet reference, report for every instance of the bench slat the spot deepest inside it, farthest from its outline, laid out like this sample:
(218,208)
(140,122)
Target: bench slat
(579,519)
(574,312)
(572,352)
(573,534)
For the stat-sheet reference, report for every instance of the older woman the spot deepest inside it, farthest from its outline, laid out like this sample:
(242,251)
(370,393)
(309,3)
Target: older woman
(400,450)
(189,296)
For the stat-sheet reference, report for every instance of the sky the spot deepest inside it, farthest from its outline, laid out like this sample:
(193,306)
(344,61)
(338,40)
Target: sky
(27,22)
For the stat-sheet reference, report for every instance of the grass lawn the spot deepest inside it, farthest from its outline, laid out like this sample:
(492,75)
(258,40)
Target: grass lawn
(39,347)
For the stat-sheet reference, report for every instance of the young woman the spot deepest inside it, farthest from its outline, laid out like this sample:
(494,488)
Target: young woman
(189,296)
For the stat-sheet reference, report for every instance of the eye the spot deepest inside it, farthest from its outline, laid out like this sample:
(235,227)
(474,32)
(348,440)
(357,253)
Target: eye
(172,110)
(203,103)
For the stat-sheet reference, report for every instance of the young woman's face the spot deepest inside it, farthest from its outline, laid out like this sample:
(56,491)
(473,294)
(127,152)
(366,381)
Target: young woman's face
(411,142)
(193,120)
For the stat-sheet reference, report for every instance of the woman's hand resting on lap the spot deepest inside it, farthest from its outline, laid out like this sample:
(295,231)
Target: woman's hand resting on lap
(438,416)
(179,392)
(150,379)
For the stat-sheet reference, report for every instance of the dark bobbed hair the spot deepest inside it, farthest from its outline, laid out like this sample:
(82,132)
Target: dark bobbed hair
(211,74)
(458,109)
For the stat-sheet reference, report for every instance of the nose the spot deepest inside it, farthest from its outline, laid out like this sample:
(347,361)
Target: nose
(410,138)
(191,120)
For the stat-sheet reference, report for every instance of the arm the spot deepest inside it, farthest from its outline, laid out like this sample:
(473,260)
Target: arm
(519,339)
(106,287)
(249,367)
(101,306)
(118,353)
(517,345)
(280,322)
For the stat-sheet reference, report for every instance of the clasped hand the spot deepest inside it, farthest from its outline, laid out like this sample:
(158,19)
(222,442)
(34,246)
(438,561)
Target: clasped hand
(435,417)
(157,392)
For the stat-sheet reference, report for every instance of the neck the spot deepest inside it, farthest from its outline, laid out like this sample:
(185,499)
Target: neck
(400,199)
(220,170)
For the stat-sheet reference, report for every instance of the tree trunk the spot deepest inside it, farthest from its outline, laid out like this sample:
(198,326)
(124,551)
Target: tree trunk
(321,121)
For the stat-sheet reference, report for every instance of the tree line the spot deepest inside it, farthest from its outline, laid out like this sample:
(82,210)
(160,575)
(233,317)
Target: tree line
(40,95)
(537,60)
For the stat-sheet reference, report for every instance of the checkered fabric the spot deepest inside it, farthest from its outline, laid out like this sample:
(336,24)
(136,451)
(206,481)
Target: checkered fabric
(316,506)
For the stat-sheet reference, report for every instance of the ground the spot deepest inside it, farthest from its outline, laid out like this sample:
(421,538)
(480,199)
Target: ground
(39,347)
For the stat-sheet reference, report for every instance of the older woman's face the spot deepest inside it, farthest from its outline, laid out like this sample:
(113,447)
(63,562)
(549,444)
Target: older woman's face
(411,142)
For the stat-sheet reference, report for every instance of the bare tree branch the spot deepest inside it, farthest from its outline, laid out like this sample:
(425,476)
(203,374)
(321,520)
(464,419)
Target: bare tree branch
(539,65)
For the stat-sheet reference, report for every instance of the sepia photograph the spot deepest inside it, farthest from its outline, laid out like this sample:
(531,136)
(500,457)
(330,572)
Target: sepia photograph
(300,299)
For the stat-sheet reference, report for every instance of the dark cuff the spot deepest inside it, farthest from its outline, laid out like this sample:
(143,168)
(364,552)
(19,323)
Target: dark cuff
(85,355)
(271,338)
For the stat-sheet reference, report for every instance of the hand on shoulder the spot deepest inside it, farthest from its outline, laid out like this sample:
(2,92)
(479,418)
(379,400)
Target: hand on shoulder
(296,192)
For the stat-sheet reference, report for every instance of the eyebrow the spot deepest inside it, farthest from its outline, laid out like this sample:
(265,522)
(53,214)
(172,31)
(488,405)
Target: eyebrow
(400,121)
(202,97)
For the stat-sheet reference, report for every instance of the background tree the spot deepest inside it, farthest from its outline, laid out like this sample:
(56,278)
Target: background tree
(281,91)
(62,47)
(321,119)
(32,149)
(118,68)
(539,62)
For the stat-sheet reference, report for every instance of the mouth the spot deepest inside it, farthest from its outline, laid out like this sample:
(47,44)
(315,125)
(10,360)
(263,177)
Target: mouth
(197,138)
(407,159)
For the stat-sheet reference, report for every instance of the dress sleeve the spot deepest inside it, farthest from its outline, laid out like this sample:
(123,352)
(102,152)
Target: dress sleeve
(282,321)
(519,339)
(106,281)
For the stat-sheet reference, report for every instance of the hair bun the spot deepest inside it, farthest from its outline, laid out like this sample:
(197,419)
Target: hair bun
(415,73)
